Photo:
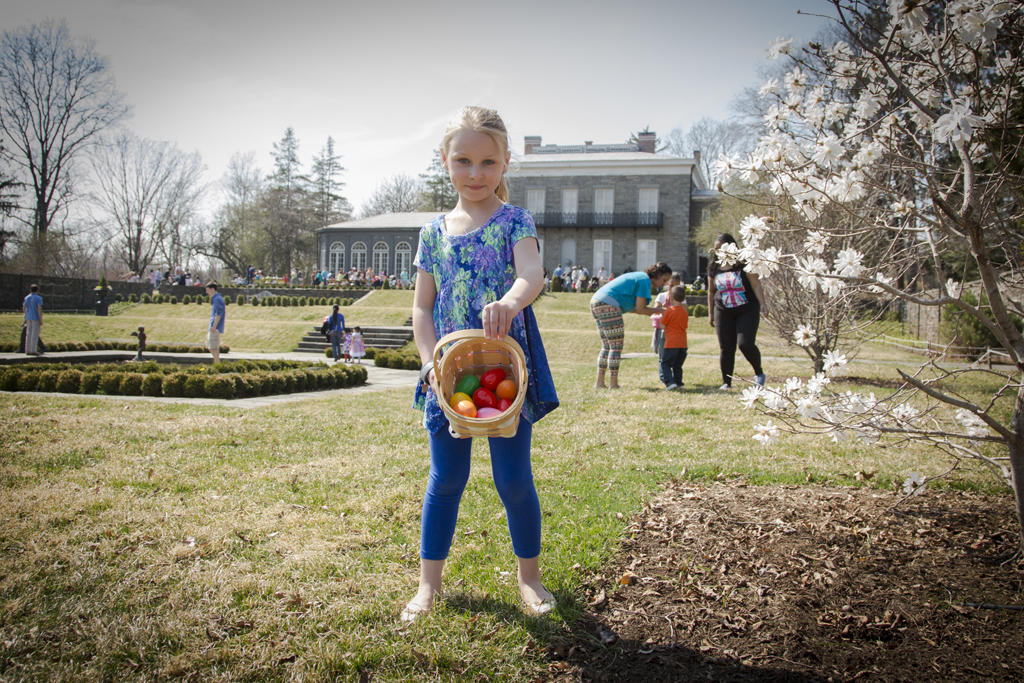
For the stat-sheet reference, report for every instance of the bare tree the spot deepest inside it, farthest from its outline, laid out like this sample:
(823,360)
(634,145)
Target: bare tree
(148,193)
(711,138)
(56,96)
(236,236)
(395,194)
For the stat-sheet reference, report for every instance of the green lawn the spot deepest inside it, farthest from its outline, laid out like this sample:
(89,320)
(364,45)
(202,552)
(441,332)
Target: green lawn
(150,541)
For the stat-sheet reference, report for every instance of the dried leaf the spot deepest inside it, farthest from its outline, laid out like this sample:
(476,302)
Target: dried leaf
(600,600)
(628,579)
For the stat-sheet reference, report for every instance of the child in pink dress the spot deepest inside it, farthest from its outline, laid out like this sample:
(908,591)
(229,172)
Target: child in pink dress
(356,347)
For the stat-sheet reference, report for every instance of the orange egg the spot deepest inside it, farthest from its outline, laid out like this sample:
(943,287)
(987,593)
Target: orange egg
(459,396)
(507,389)
(465,408)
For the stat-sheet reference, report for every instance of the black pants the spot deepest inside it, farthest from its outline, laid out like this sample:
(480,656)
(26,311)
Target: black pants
(738,326)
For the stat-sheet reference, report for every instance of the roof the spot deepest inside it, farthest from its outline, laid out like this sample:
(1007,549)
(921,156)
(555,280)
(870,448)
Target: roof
(408,219)
(603,164)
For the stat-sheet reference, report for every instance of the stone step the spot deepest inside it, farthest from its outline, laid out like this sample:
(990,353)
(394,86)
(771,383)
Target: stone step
(378,337)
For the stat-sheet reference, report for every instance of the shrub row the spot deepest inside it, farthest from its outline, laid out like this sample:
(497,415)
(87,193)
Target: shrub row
(405,358)
(116,346)
(181,382)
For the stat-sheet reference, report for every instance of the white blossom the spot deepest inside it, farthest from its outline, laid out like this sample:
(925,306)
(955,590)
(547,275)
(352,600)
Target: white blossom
(804,335)
(957,124)
(724,166)
(779,46)
(815,242)
(833,361)
(816,384)
(868,154)
(914,484)
(903,207)
(808,407)
(766,433)
(753,228)
(848,263)
(953,288)
(796,81)
(750,396)
(828,151)
(904,412)
(768,87)
(832,286)
(774,400)
(728,255)
(972,424)
(883,279)
(764,263)
(793,385)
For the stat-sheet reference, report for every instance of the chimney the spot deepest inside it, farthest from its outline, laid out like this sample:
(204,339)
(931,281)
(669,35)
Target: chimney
(648,141)
(696,158)
(530,142)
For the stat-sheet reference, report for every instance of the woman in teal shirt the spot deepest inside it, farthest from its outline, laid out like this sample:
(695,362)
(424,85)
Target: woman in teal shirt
(627,293)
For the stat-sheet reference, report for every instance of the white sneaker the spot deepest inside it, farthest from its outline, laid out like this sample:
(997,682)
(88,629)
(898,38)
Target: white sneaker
(724,387)
(671,387)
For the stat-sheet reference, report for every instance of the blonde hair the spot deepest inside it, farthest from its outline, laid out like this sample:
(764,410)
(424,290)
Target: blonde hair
(480,120)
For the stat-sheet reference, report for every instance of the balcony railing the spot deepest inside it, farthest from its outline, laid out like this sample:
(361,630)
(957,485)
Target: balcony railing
(654,219)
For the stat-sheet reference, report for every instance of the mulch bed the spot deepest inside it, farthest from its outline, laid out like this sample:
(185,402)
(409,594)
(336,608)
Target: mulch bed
(744,583)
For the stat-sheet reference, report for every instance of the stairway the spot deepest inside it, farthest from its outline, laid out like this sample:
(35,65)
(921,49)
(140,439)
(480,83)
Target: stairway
(377,337)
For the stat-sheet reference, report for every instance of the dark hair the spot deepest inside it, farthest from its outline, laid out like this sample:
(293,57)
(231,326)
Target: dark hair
(33,288)
(335,308)
(678,293)
(724,238)
(212,285)
(659,268)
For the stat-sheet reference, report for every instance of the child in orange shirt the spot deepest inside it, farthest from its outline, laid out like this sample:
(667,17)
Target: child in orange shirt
(674,322)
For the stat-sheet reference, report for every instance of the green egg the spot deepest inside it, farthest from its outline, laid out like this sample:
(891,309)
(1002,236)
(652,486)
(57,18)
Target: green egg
(467,385)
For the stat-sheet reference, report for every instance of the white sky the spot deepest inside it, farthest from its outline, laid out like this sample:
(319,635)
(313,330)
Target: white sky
(382,77)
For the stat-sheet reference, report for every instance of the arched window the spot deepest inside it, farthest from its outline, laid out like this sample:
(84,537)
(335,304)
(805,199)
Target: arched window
(336,262)
(403,258)
(380,258)
(359,256)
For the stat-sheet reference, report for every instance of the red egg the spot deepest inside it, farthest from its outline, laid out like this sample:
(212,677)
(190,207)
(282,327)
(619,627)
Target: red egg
(484,398)
(504,404)
(490,379)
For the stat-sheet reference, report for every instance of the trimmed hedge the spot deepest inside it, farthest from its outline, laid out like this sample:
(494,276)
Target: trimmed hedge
(227,380)
(61,347)
(406,358)
(699,311)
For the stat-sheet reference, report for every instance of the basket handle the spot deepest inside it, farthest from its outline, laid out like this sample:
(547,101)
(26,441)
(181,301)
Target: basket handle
(459,335)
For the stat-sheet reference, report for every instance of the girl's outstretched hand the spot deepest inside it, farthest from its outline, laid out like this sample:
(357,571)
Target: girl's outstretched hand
(497,318)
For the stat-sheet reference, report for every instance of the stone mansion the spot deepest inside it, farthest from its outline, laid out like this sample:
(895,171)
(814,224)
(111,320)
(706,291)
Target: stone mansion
(617,206)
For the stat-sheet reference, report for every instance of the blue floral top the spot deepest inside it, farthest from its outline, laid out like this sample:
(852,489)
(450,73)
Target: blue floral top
(471,271)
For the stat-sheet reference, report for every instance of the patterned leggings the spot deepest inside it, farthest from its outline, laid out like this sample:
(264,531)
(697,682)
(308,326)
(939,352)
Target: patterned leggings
(609,326)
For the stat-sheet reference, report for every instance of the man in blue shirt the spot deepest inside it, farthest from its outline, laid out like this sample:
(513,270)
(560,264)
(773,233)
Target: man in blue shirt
(33,310)
(217,313)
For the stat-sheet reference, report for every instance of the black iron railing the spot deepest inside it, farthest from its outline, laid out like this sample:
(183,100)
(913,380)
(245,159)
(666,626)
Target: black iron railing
(653,219)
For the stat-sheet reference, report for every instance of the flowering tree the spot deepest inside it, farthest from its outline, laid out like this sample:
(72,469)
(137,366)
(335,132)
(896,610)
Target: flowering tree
(909,131)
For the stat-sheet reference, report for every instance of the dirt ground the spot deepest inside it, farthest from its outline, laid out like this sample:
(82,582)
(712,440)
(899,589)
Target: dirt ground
(744,583)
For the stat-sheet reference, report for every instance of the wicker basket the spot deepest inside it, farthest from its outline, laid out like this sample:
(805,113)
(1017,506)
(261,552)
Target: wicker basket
(471,353)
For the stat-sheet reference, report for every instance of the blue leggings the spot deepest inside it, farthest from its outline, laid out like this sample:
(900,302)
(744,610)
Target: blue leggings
(513,477)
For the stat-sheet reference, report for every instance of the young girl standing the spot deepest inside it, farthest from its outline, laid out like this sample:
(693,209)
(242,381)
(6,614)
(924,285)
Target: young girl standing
(356,347)
(478,267)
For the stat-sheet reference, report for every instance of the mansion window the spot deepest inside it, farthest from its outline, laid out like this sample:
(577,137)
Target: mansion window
(336,262)
(647,206)
(535,202)
(570,205)
(380,258)
(403,258)
(358,256)
(604,205)
(602,257)
(646,253)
